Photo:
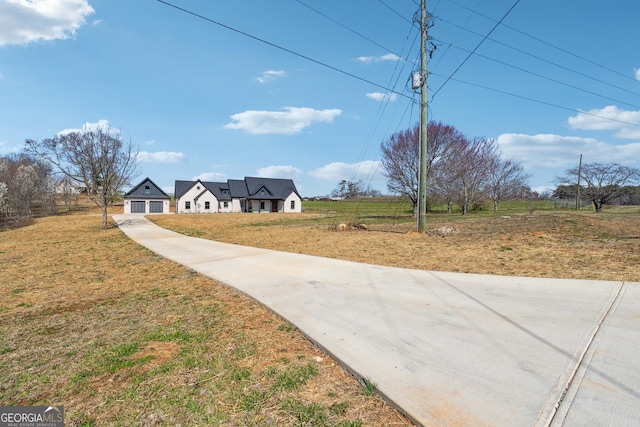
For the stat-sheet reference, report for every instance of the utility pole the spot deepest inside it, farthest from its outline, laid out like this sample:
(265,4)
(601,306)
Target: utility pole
(422,185)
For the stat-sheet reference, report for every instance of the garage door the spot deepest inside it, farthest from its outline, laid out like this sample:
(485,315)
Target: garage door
(155,207)
(137,207)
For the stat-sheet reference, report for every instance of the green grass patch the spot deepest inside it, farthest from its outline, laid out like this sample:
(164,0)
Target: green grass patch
(295,376)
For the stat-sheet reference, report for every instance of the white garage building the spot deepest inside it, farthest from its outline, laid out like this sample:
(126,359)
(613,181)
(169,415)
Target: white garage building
(146,198)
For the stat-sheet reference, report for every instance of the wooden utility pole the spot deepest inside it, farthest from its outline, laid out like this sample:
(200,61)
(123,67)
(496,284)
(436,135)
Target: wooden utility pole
(422,185)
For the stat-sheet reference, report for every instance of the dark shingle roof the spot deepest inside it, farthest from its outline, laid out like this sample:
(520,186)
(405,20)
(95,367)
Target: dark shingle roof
(274,188)
(249,188)
(140,191)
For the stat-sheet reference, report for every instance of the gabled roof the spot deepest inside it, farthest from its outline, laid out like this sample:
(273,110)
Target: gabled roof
(140,191)
(182,187)
(274,188)
(248,188)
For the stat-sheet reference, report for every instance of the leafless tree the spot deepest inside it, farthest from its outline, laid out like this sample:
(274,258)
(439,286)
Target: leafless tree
(602,181)
(471,166)
(99,159)
(401,157)
(4,197)
(505,180)
(28,186)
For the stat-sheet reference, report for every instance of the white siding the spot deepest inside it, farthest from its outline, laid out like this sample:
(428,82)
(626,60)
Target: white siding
(190,196)
(201,203)
(235,205)
(297,203)
(228,209)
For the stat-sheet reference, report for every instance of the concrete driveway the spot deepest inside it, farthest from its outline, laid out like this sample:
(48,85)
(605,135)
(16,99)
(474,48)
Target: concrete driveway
(448,349)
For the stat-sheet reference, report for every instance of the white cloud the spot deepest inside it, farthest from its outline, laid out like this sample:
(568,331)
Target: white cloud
(608,118)
(289,122)
(160,157)
(368,170)
(279,172)
(636,72)
(378,96)
(546,151)
(270,75)
(89,127)
(150,142)
(211,177)
(26,21)
(383,58)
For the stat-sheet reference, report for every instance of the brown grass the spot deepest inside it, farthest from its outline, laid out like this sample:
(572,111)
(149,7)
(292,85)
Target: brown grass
(121,336)
(563,244)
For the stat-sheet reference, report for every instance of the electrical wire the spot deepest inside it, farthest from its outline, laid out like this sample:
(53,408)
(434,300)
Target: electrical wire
(348,28)
(476,48)
(280,47)
(547,78)
(539,101)
(540,58)
(546,43)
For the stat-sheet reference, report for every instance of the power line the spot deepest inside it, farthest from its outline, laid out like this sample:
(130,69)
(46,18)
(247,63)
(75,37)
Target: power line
(476,48)
(547,78)
(540,101)
(546,43)
(540,58)
(348,28)
(280,47)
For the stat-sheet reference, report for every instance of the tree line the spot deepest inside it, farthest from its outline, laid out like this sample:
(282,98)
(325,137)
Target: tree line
(461,171)
(468,172)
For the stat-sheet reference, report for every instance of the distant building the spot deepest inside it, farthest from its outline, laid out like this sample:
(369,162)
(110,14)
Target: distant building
(247,195)
(146,197)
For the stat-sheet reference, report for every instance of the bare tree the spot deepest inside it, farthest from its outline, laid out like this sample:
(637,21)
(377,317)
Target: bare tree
(99,159)
(505,180)
(401,157)
(471,167)
(603,181)
(4,197)
(28,185)
(66,188)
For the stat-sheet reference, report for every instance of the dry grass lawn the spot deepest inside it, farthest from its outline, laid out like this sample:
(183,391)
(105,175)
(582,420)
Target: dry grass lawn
(123,337)
(563,244)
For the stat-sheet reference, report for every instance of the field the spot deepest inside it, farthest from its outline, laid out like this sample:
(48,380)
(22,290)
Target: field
(120,336)
(520,240)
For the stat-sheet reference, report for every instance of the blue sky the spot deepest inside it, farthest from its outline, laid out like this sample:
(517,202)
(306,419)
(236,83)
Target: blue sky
(312,87)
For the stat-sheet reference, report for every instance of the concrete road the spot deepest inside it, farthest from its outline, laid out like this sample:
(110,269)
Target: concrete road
(448,349)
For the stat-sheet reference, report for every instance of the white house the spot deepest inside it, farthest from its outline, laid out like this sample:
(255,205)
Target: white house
(146,197)
(247,195)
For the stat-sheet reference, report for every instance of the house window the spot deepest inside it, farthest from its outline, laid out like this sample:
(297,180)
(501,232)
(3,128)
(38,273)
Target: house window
(187,205)
(147,189)
(197,187)
(293,204)
(261,206)
(226,204)
(207,205)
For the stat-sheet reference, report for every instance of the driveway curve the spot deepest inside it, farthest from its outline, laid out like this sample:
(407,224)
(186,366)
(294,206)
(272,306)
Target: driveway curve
(447,349)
